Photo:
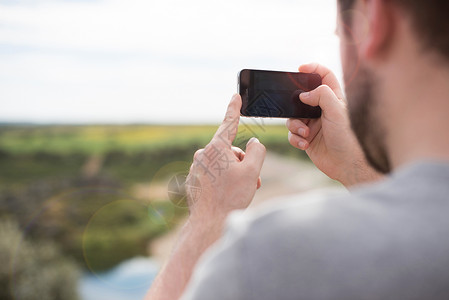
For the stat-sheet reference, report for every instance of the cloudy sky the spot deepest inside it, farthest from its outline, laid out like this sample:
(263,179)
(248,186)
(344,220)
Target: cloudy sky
(151,61)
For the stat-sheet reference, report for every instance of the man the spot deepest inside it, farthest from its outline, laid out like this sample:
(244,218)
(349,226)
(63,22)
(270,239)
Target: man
(388,238)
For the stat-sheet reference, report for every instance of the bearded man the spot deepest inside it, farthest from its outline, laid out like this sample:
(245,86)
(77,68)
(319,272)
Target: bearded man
(388,238)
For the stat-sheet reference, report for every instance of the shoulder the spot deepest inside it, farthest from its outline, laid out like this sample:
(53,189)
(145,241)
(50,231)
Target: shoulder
(321,245)
(309,212)
(303,243)
(376,240)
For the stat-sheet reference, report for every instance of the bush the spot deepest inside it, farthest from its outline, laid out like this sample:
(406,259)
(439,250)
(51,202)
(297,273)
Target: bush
(33,270)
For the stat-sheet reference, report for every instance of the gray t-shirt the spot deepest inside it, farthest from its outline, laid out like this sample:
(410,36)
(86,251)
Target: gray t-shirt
(389,240)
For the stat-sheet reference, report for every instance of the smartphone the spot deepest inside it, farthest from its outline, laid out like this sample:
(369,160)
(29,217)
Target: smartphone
(274,94)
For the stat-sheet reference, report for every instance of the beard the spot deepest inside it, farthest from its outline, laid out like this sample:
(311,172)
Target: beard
(364,113)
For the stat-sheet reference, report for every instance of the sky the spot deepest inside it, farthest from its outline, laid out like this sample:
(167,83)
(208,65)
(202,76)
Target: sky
(148,61)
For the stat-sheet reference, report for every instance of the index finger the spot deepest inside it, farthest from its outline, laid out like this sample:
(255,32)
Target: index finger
(327,76)
(228,129)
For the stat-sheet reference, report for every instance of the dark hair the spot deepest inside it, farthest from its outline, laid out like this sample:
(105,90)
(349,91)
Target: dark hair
(429,20)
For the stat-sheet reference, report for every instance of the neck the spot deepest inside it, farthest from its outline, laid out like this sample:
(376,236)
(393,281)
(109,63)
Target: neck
(418,122)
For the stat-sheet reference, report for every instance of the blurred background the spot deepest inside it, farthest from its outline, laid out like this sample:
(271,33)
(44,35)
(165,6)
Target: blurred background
(102,105)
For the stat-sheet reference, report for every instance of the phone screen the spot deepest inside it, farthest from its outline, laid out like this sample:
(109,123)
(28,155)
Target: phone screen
(275,94)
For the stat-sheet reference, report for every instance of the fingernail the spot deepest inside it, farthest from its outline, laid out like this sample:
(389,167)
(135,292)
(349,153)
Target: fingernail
(305,95)
(301,144)
(302,131)
(252,140)
(289,135)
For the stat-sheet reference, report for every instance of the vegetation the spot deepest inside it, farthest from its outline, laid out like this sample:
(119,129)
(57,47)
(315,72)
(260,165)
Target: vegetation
(33,270)
(102,139)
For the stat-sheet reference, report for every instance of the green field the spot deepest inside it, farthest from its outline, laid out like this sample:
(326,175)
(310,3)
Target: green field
(127,153)
(99,139)
(102,139)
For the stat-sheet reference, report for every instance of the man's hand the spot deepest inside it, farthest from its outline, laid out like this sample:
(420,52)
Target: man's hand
(329,140)
(222,178)
(227,176)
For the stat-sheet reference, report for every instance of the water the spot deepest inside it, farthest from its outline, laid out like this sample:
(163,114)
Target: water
(128,280)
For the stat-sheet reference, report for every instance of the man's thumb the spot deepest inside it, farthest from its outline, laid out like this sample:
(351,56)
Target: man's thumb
(255,154)
(324,97)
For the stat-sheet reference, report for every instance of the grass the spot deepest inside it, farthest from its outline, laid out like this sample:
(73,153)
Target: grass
(128,153)
(98,139)
(101,139)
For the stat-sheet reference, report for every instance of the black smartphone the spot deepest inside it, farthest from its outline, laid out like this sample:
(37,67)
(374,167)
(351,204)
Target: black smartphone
(274,94)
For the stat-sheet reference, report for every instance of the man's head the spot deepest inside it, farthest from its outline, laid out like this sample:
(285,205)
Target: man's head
(372,33)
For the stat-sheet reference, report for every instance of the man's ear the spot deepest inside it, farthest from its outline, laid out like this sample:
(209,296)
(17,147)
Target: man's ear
(380,16)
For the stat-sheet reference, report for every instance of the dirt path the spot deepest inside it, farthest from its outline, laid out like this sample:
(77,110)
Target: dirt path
(281,176)
(92,166)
